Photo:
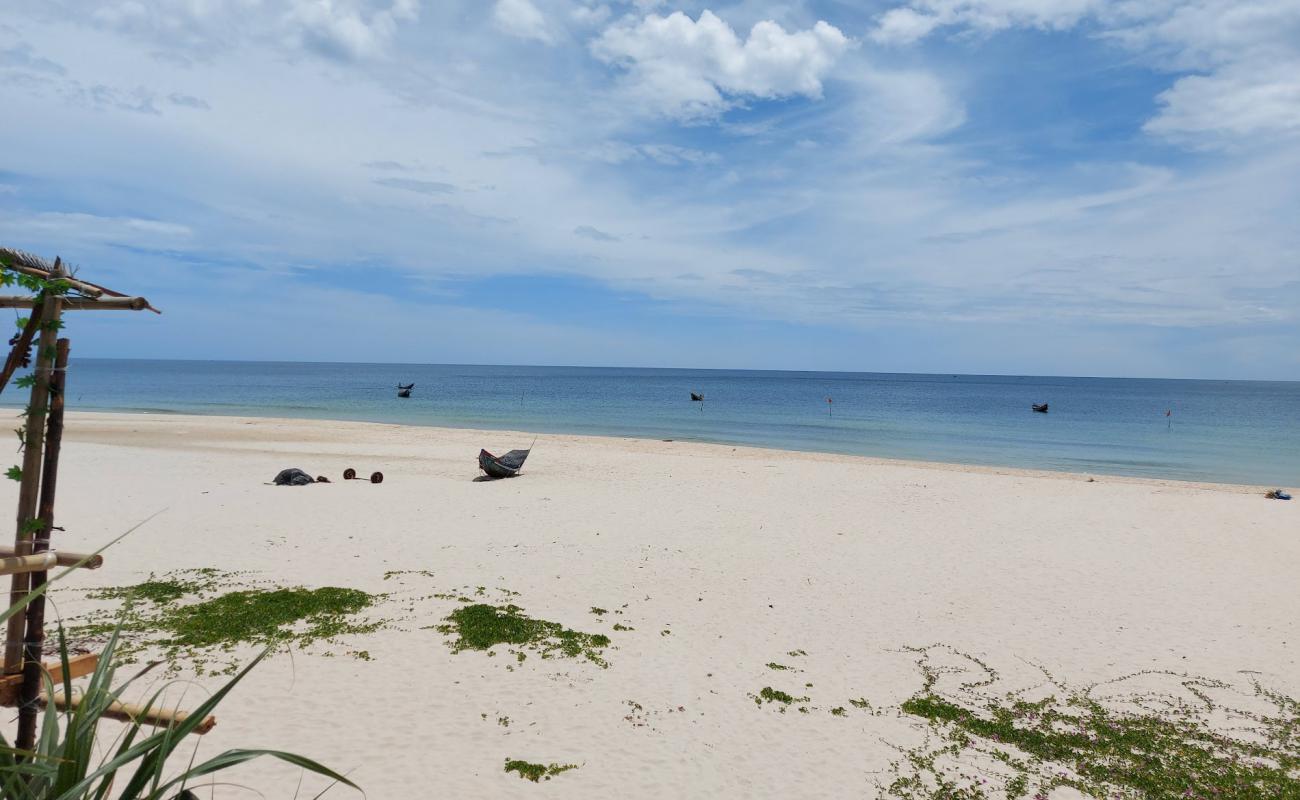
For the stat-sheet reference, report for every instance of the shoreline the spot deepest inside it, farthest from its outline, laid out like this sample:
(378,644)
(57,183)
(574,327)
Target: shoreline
(948,466)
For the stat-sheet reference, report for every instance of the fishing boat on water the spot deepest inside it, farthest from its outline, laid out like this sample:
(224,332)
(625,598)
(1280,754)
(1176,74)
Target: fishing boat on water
(1041,408)
(697,398)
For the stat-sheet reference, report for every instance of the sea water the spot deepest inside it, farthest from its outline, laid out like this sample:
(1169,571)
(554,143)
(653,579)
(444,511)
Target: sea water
(1228,431)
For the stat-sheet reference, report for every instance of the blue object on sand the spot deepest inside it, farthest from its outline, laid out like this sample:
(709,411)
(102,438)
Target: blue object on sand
(1278,494)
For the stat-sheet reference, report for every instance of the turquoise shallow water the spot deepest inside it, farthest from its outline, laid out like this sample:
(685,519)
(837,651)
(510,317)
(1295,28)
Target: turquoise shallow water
(1230,431)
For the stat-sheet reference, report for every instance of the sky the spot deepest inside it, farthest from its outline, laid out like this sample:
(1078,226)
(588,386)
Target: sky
(1066,187)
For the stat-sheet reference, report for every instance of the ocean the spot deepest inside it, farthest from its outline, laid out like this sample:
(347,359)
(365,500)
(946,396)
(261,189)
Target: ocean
(1226,431)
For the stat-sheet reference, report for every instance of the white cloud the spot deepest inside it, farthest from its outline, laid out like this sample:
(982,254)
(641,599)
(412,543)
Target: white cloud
(1231,105)
(917,19)
(522,19)
(693,68)
(903,26)
(339,29)
(590,16)
(1244,53)
(81,228)
(517,164)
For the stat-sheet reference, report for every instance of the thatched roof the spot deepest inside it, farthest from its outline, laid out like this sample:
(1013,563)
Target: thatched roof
(81,294)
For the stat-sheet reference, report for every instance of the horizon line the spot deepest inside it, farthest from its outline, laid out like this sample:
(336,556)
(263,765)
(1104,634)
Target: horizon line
(682,369)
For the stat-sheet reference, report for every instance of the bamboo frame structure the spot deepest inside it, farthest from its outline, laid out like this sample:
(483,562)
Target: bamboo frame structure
(21,681)
(104,304)
(33,453)
(130,712)
(78,666)
(63,558)
(34,562)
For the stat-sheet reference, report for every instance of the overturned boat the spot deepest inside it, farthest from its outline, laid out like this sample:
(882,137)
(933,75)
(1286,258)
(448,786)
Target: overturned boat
(506,466)
(1040,407)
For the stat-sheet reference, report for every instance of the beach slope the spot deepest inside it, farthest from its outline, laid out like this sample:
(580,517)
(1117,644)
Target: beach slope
(715,572)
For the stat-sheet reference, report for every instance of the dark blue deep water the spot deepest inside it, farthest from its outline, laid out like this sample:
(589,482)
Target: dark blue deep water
(1231,431)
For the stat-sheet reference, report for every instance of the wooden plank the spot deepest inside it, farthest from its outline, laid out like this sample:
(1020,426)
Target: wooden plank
(78,667)
(64,558)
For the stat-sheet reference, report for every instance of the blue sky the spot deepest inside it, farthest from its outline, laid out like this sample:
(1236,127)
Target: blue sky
(1095,187)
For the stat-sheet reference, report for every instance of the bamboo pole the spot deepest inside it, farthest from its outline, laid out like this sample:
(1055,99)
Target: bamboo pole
(88,289)
(79,304)
(34,641)
(130,712)
(24,344)
(64,558)
(34,445)
(34,562)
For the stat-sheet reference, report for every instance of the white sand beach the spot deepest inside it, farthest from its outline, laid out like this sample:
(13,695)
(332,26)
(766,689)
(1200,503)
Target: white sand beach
(721,560)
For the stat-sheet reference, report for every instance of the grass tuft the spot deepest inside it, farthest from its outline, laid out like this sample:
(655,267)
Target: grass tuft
(1190,738)
(186,616)
(537,772)
(480,627)
(769,695)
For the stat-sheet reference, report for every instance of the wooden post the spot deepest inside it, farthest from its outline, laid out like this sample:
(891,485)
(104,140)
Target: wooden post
(24,344)
(29,488)
(34,641)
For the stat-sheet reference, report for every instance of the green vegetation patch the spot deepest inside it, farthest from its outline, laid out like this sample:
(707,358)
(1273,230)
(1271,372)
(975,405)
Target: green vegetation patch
(769,695)
(1198,739)
(537,772)
(481,627)
(265,616)
(776,666)
(188,617)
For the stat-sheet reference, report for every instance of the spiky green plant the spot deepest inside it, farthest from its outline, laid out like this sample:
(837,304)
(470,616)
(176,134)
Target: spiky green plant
(66,763)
